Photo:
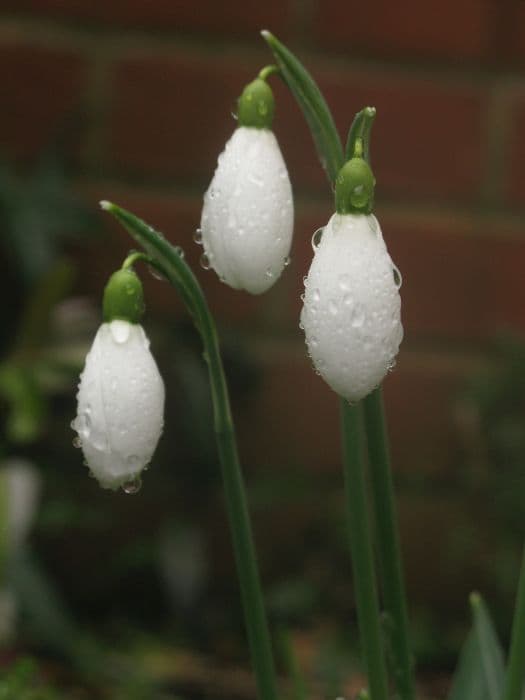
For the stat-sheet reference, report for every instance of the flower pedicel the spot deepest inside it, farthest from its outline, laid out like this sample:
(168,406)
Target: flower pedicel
(121,393)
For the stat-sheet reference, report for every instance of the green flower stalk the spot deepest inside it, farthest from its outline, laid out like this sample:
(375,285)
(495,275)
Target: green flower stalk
(168,260)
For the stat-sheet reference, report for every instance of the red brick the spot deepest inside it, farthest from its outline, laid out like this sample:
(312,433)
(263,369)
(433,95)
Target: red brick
(224,18)
(294,419)
(172,115)
(436,28)
(427,138)
(516,173)
(42,90)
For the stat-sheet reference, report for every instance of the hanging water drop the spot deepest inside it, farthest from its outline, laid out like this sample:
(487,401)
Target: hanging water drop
(316,238)
(398,279)
(132,487)
(204,262)
(120,331)
(197,236)
(156,273)
(77,442)
(287,260)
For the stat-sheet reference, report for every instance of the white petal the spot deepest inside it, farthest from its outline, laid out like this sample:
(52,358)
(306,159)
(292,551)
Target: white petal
(120,404)
(247,218)
(352,308)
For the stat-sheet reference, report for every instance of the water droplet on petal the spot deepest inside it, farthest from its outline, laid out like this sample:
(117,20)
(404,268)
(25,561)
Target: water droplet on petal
(332,307)
(120,331)
(77,442)
(344,282)
(398,279)
(316,295)
(269,273)
(316,238)
(133,486)
(179,251)
(287,260)
(204,262)
(197,236)
(358,316)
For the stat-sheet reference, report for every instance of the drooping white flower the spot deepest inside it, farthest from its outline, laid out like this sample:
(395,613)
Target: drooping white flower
(352,308)
(120,405)
(247,218)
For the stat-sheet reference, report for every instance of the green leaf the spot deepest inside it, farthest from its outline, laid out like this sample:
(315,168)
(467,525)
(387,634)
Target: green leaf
(480,673)
(313,105)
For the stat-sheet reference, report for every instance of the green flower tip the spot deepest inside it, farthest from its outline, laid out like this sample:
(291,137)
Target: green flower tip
(256,105)
(354,185)
(123,297)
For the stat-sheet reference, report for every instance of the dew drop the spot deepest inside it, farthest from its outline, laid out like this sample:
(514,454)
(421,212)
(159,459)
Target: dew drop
(179,251)
(269,273)
(262,108)
(197,236)
(156,274)
(316,295)
(77,442)
(344,282)
(287,260)
(302,297)
(358,316)
(204,262)
(132,487)
(316,238)
(120,331)
(332,307)
(398,279)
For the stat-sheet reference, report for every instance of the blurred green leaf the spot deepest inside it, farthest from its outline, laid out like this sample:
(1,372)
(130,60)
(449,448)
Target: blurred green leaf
(480,674)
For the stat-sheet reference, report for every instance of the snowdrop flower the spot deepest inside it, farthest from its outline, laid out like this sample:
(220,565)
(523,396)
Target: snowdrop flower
(351,313)
(121,393)
(247,219)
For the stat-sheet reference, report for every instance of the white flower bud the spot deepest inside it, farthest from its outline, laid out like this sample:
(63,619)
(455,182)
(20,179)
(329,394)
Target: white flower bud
(351,314)
(120,405)
(247,218)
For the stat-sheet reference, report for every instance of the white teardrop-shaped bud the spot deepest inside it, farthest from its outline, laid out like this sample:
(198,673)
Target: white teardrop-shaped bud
(352,308)
(120,405)
(247,218)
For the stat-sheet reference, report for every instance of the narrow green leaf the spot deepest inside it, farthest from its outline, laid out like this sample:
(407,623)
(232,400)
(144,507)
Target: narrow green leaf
(480,671)
(469,682)
(491,653)
(313,105)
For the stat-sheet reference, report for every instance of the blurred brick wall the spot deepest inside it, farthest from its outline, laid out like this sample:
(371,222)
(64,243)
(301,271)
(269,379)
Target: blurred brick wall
(141,93)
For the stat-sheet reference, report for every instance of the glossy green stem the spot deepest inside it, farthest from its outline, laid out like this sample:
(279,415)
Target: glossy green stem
(169,260)
(361,551)
(386,529)
(515,676)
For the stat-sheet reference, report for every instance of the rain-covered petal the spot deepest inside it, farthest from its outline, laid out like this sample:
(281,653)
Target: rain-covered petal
(120,405)
(247,218)
(352,308)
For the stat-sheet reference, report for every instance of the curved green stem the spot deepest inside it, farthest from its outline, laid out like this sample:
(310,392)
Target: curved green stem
(361,551)
(267,71)
(133,258)
(388,543)
(360,129)
(515,676)
(169,260)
